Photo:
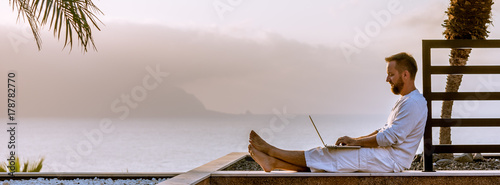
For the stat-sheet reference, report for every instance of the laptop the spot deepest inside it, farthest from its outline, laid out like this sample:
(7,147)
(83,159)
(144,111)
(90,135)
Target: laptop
(332,146)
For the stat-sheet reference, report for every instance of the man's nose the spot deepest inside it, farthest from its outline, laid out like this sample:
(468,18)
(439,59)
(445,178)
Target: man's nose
(387,79)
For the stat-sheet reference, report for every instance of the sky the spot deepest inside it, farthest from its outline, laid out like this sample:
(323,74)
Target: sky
(190,58)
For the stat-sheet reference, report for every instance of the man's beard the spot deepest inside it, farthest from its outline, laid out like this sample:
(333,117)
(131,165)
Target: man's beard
(397,87)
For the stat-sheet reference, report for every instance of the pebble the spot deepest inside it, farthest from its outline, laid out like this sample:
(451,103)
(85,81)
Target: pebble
(478,157)
(442,162)
(467,157)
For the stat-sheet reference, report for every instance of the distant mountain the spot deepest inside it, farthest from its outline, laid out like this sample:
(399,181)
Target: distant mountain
(171,101)
(80,95)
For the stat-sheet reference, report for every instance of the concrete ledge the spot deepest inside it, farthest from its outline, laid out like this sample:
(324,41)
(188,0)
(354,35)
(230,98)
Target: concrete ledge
(487,180)
(407,177)
(493,173)
(210,174)
(74,175)
(201,174)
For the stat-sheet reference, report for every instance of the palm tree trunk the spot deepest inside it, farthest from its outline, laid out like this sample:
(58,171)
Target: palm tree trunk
(458,57)
(467,19)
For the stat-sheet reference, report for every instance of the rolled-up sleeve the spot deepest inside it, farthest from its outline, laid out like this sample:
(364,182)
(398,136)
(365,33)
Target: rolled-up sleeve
(402,125)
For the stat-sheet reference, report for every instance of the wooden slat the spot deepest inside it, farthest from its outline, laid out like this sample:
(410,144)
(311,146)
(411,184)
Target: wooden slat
(466,148)
(465,70)
(463,43)
(426,63)
(465,122)
(464,96)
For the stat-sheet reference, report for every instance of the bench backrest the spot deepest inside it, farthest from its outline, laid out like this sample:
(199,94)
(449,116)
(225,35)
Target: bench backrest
(428,70)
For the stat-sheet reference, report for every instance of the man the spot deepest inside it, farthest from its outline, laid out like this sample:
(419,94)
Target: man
(388,149)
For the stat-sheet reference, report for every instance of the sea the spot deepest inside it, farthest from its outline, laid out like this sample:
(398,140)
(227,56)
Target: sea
(181,144)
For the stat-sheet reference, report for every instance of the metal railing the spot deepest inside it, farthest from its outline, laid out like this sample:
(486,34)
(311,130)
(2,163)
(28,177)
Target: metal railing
(428,70)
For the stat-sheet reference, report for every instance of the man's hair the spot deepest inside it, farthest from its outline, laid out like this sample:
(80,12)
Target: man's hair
(404,61)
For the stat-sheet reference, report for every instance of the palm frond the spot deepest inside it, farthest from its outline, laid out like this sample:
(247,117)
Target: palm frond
(36,167)
(17,165)
(66,16)
(3,167)
(25,167)
(468,19)
(25,12)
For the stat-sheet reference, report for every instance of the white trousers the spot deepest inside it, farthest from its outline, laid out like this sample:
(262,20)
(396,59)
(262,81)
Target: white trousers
(372,160)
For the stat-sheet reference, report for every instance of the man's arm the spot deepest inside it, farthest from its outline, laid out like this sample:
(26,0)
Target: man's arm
(364,141)
(372,134)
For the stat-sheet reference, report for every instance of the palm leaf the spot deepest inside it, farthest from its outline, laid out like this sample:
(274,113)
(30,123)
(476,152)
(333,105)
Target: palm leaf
(66,16)
(25,167)
(3,167)
(36,167)
(25,11)
(17,165)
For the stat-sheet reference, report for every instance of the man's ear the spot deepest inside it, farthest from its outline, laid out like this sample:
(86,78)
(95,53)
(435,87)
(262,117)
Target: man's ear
(406,74)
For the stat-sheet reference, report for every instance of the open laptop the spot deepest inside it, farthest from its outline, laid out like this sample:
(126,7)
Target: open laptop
(332,146)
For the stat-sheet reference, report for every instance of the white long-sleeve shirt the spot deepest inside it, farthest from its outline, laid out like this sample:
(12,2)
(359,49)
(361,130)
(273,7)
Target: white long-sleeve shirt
(404,129)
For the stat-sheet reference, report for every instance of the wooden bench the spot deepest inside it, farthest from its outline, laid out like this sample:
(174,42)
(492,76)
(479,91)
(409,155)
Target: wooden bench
(428,70)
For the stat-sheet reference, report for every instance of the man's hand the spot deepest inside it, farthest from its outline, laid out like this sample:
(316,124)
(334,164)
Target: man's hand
(346,140)
(366,141)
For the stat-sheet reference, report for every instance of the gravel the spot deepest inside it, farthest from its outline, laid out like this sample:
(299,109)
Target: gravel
(248,164)
(97,181)
(486,164)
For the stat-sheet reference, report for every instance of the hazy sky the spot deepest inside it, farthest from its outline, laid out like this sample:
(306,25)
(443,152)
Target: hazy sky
(325,57)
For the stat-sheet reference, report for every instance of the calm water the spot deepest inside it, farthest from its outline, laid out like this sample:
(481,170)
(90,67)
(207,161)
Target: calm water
(177,145)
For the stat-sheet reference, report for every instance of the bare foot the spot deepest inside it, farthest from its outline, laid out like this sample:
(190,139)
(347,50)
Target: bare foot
(258,143)
(265,161)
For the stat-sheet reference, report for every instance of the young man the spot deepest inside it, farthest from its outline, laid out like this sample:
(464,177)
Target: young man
(388,149)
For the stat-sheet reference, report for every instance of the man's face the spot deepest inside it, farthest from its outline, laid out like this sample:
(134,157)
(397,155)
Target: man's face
(394,78)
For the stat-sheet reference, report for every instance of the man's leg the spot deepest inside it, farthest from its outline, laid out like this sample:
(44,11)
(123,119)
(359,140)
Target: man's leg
(269,163)
(296,158)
